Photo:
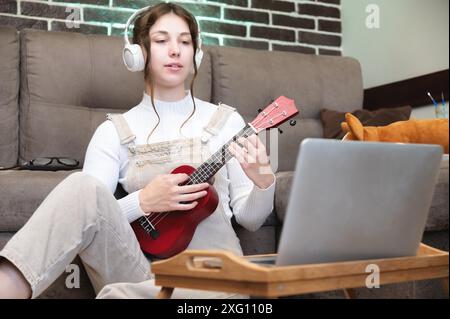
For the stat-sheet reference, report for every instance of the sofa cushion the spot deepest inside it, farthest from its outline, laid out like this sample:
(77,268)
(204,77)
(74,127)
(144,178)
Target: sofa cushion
(331,119)
(249,79)
(314,82)
(22,193)
(69,82)
(439,209)
(9,96)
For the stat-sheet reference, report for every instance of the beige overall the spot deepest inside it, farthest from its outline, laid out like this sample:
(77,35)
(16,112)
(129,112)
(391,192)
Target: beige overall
(81,217)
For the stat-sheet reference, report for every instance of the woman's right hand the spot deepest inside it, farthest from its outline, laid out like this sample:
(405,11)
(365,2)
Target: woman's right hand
(164,194)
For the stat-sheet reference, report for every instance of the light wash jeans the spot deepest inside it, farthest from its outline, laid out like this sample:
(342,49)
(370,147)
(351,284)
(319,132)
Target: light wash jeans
(81,217)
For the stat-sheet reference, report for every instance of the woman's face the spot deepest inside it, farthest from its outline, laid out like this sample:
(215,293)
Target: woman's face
(172,51)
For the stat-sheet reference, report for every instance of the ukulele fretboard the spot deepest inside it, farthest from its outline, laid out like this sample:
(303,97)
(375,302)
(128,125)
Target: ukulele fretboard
(217,160)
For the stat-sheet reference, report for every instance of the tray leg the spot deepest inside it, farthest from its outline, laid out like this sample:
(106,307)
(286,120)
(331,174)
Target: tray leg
(349,293)
(165,293)
(445,285)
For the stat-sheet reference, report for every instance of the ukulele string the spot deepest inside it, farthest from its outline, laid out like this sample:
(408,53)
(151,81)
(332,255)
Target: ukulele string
(148,221)
(161,216)
(257,122)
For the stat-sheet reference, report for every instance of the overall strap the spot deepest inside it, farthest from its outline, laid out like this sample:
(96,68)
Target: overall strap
(217,121)
(124,131)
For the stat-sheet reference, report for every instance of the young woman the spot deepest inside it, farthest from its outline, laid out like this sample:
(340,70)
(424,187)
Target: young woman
(138,149)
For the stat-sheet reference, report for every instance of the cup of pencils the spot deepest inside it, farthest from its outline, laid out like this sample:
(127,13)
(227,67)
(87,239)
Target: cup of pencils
(441,110)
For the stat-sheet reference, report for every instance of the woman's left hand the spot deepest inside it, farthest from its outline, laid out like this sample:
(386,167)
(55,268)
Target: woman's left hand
(252,156)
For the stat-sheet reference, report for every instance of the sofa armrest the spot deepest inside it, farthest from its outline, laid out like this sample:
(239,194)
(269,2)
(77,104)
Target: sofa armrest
(438,218)
(282,191)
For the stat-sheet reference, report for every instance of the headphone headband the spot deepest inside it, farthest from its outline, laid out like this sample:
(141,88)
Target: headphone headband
(132,54)
(130,20)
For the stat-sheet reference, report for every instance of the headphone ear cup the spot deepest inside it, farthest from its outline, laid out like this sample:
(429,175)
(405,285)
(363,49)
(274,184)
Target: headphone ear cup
(198,55)
(133,57)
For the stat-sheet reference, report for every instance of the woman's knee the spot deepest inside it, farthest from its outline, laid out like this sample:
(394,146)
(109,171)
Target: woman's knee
(85,183)
(86,189)
(82,178)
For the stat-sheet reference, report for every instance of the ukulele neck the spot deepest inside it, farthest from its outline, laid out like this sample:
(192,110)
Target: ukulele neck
(217,160)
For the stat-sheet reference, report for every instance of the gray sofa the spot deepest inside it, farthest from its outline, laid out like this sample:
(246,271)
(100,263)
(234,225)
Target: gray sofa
(56,88)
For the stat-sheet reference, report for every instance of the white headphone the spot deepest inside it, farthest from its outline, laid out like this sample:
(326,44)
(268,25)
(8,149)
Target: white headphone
(133,56)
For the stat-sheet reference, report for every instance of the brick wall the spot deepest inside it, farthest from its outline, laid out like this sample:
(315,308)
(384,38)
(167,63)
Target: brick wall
(307,26)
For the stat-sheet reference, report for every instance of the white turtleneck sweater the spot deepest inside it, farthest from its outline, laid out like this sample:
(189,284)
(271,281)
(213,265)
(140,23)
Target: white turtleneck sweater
(107,160)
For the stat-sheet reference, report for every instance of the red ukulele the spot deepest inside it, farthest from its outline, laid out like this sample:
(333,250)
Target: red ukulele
(166,234)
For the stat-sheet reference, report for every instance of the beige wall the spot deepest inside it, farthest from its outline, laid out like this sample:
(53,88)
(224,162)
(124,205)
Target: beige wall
(412,40)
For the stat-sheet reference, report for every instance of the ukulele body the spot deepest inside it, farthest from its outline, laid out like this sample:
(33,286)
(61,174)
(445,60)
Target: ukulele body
(176,229)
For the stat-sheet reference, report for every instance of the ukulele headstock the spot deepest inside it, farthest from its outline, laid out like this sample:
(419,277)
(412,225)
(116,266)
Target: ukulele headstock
(277,112)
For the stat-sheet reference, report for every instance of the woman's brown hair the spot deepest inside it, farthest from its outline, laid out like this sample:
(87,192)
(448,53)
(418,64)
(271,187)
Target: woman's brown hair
(141,29)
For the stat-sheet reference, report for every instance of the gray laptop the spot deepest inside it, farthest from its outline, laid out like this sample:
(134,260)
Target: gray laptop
(357,200)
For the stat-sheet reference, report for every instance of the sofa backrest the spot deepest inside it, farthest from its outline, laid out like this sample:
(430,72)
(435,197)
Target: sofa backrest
(9,96)
(69,81)
(249,79)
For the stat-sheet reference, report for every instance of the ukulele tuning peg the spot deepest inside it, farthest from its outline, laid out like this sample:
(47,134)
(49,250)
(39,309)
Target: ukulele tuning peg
(259,110)
(292,122)
(279,130)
